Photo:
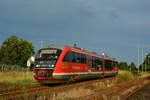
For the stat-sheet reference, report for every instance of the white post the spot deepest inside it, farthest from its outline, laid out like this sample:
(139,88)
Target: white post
(145,65)
(148,62)
(142,60)
(138,58)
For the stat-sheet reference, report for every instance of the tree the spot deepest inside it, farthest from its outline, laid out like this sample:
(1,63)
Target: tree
(16,51)
(123,65)
(0,54)
(145,66)
(132,67)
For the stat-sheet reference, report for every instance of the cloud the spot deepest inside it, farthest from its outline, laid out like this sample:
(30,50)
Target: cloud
(113,25)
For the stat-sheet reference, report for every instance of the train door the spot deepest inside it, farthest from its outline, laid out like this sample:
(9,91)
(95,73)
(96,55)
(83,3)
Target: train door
(115,65)
(97,63)
(103,64)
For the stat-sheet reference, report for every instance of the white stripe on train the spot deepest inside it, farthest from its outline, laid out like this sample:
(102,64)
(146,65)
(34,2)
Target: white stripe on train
(82,73)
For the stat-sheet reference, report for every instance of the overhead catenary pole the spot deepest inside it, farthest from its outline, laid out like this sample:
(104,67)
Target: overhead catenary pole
(141,49)
(146,62)
(147,67)
(138,58)
(142,61)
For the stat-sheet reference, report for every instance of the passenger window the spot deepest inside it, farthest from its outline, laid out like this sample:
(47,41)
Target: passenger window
(97,63)
(75,57)
(83,58)
(108,64)
(68,57)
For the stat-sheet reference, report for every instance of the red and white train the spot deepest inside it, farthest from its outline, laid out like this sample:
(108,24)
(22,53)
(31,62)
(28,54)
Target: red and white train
(57,63)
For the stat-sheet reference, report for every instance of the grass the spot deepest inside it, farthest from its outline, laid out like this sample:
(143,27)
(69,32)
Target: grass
(16,77)
(136,73)
(125,76)
(73,93)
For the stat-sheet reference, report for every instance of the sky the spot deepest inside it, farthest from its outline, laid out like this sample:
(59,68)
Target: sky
(116,27)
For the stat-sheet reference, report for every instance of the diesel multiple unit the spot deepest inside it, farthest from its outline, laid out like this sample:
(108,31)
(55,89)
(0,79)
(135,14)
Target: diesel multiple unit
(57,63)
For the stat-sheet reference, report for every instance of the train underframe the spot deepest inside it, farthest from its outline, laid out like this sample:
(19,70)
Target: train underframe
(47,76)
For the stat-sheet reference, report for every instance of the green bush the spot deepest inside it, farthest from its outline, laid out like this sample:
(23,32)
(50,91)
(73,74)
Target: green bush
(16,51)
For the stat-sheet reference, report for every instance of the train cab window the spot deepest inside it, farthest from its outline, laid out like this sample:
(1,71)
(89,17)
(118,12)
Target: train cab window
(47,56)
(49,53)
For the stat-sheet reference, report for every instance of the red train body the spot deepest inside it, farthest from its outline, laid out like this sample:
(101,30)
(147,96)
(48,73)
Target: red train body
(56,63)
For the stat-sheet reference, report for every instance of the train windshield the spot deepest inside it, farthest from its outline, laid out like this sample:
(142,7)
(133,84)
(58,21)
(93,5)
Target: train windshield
(47,57)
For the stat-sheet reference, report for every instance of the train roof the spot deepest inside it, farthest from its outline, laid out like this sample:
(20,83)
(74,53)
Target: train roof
(81,50)
(58,46)
(109,58)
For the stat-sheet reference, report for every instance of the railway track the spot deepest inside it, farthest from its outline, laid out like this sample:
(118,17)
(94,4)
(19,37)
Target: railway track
(11,93)
(122,90)
(38,88)
(128,96)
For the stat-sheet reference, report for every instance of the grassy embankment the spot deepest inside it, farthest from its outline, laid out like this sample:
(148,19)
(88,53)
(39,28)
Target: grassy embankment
(16,77)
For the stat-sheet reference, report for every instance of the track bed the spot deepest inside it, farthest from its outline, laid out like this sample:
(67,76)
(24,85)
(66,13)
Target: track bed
(107,89)
(141,94)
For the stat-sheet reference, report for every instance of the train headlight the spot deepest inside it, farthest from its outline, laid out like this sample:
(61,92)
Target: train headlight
(52,65)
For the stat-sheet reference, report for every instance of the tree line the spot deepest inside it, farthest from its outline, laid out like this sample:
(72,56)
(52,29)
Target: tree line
(144,67)
(125,66)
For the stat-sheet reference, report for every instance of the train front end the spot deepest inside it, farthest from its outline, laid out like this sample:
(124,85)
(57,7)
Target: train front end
(45,62)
